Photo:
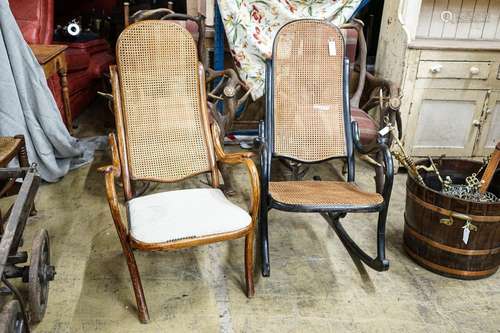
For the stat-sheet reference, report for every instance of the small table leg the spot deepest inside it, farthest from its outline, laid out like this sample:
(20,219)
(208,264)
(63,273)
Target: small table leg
(65,94)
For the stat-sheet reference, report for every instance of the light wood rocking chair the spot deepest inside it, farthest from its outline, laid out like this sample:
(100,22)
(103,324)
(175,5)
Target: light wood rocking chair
(164,135)
(308,121)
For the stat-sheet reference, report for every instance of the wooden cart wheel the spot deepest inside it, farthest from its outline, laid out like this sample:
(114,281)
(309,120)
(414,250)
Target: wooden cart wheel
(12,319)
(40,274)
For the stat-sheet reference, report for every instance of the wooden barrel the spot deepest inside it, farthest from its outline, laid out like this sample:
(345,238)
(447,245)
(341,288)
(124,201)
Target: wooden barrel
(434,225)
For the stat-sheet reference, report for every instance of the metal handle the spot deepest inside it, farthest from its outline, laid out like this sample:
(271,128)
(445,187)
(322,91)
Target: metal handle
(454,215)
(476,122)
(474,70)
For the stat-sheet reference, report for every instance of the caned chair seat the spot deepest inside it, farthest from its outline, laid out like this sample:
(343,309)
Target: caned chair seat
(8,148)
(184,214)
(322,194)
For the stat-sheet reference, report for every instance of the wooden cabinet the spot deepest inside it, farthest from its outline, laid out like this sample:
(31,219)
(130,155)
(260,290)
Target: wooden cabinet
(447,62)
(489,125)
(445,121)
(467,70)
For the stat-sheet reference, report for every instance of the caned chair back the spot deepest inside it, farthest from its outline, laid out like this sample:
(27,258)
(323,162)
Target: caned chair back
(165,120)
(308,91)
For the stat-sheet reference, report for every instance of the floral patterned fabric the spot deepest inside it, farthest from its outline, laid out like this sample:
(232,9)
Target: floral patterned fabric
(251,25)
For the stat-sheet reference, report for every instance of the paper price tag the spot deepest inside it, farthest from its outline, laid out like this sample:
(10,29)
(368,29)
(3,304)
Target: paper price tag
(466,235)
(332,48)
(384,130)
(467,229)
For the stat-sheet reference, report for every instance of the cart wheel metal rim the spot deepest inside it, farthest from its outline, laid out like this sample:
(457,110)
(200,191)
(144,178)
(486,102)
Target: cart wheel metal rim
(40,273)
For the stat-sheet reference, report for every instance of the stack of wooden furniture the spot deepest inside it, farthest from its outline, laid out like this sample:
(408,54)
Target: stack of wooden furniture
(80,67)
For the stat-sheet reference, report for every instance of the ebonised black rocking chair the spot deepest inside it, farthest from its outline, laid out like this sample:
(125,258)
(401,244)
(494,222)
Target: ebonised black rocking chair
(308,121)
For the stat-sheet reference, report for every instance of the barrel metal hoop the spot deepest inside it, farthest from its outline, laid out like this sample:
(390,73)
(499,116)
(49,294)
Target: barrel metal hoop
(447,212)
(448,270)
(448,248)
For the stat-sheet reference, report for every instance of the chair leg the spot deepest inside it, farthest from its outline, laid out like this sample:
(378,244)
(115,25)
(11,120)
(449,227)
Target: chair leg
(136,283)
(264,240)
(249,240)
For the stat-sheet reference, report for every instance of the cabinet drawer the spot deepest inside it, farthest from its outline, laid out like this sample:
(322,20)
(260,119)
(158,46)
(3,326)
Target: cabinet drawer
(428,69)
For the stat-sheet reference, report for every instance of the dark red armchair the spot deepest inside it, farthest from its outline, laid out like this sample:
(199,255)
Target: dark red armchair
(87,61)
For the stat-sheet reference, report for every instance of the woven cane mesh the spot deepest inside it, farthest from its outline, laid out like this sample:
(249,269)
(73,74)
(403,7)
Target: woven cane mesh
(308,90)
(322,193)
(158,67)
(8,145)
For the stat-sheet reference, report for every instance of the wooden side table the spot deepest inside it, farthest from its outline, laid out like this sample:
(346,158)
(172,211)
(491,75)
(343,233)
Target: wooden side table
(53,61)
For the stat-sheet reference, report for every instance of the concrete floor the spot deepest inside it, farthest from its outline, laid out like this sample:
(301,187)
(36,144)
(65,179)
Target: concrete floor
(314,286)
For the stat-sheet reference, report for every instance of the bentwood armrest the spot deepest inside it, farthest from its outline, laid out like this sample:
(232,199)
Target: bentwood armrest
(378,146)
(115,167)
(370,148)
(111,173)
(232,158)
(240,158)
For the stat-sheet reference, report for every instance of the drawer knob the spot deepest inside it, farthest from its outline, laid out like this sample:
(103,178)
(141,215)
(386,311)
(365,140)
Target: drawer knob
(476,123)
(446,16)
(436,68)
(474,70)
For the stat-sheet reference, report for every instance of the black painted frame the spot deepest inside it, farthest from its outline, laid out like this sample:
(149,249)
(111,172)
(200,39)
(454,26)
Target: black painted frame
(333,213)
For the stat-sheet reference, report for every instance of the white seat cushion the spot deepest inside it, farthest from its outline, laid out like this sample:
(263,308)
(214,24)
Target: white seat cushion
(169,216)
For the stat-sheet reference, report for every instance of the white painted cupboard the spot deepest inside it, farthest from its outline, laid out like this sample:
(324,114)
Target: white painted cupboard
(445,54)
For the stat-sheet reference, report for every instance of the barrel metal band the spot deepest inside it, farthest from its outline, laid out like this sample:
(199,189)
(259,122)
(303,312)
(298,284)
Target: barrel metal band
(448,248)
(447,212)
(448,270)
